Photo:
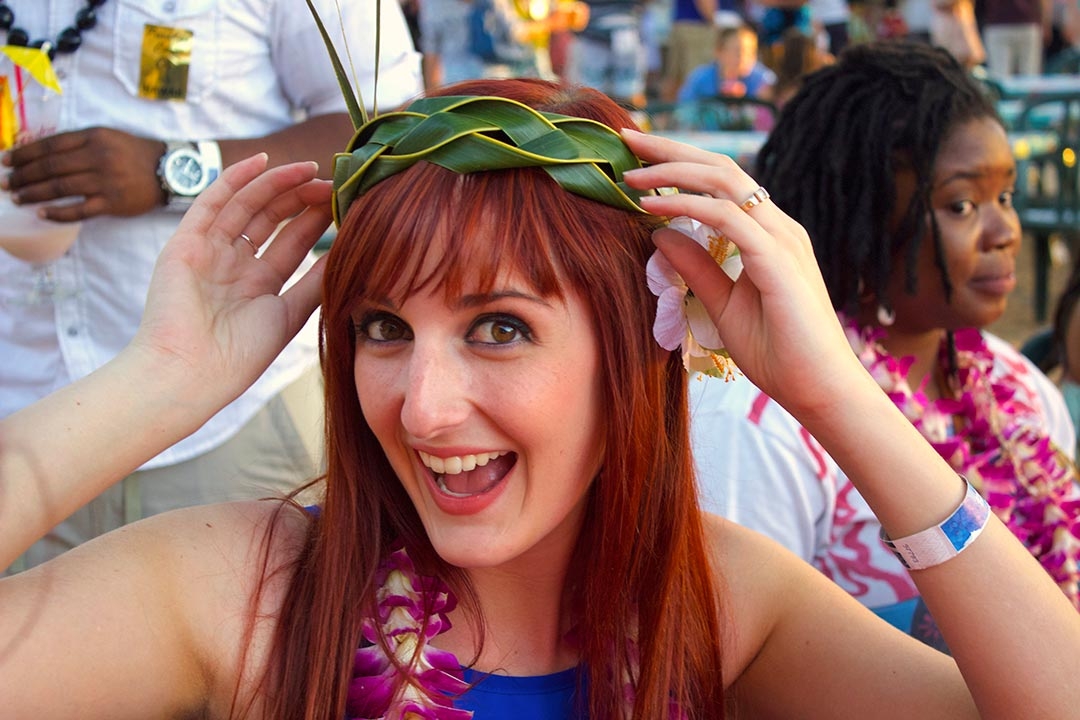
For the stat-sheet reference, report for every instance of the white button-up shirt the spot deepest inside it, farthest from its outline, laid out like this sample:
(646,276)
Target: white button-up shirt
(256,66)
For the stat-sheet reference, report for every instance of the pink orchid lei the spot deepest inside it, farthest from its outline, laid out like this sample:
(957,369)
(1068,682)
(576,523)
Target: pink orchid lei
(424,690)
(681,319)
(990,435)
(412,609)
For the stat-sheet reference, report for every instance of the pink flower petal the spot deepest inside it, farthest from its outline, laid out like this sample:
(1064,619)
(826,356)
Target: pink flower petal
(669,328)
(701,325)
(660,275)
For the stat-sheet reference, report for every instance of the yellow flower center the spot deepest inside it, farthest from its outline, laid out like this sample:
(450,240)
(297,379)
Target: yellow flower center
(718,247)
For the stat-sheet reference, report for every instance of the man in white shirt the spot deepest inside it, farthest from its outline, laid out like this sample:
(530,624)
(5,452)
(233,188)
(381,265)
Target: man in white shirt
(157,95)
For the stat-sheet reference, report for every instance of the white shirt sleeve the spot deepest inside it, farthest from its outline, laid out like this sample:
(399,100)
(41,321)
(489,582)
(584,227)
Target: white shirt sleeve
(758,467)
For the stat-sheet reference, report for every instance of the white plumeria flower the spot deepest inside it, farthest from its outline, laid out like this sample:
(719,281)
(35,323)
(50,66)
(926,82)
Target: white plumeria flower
(681,318)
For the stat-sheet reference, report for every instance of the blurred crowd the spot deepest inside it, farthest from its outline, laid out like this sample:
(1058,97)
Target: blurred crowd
(643,51)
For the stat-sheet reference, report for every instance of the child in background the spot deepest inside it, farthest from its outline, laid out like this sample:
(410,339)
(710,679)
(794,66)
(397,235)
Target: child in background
(735,71)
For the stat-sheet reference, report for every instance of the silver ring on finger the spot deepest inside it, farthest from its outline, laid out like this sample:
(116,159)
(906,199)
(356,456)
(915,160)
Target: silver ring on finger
(756,198)
(250,242)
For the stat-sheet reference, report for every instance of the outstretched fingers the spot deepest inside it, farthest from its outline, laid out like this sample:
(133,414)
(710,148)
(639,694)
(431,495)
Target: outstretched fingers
(206,211)
(250,200)
(290,225)
(695,171)
(285,201)
(716,191)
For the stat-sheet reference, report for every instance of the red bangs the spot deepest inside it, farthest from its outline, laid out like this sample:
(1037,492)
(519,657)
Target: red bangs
(479,225)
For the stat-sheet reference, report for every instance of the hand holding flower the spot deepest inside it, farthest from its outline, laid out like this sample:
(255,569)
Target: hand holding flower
(775,317)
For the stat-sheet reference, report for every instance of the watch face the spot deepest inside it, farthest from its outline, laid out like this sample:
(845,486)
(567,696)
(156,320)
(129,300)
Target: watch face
(184,172)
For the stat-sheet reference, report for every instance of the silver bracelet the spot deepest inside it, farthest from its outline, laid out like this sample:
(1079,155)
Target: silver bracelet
(946,540)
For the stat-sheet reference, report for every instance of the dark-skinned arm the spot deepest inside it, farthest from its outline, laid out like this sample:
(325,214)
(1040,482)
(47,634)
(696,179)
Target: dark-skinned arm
(115,172)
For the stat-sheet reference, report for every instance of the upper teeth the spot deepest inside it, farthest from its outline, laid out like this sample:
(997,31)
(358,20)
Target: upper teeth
(458,463)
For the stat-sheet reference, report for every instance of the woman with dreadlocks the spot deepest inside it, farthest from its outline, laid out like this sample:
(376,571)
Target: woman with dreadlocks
(508,526)
(897,165)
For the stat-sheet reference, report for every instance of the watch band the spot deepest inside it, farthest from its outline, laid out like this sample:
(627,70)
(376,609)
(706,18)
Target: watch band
(947,539)
(211,155)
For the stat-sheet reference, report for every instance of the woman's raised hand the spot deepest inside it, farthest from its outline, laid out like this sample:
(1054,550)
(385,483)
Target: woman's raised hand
(215,309)
(215,318)
(776,319)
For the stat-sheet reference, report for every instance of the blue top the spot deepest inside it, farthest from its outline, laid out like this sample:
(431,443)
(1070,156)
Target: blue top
(540,697)
(775,20)
(912,617)
(703,82)
(687,10)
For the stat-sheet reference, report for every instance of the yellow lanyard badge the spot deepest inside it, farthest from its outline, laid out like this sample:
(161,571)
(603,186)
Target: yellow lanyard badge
(165,61)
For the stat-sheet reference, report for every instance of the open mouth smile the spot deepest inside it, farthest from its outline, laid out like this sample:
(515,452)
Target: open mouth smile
(464,476)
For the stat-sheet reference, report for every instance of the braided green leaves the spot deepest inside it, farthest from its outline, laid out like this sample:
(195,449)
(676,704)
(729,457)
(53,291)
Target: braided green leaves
(467,134)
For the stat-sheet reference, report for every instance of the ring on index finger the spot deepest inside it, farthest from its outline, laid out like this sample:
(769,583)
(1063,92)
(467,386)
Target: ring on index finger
(756,198)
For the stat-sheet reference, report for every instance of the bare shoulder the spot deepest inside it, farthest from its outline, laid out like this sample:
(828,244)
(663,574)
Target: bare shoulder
(156,614)
(779,611)
(758,581)
(231,567)
(231,535)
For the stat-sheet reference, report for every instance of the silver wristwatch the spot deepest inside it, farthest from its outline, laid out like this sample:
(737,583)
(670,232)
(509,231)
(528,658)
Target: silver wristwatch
(186,169)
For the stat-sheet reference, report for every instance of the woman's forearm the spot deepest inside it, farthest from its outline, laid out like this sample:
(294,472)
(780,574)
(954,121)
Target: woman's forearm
(62,451)
(999,611)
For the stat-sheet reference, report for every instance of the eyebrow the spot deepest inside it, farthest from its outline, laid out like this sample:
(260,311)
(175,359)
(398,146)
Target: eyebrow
(478,299)
(969,175)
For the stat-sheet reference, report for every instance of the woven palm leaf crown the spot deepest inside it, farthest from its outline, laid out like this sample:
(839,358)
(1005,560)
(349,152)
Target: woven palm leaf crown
(467,134)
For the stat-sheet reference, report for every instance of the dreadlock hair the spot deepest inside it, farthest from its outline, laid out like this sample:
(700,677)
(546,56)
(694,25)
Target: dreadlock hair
(832,159)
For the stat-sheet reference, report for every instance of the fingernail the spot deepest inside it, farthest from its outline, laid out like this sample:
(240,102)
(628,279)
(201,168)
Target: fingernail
(15,198)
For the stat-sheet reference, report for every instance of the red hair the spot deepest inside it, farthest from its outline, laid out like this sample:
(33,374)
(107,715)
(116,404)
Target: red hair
(642,525)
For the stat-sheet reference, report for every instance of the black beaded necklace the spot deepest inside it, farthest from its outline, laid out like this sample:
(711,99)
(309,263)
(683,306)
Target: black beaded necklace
(69,39)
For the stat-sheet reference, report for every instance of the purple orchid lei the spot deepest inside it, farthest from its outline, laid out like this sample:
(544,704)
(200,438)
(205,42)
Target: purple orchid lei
(420,681)
(991,435)
(424,680)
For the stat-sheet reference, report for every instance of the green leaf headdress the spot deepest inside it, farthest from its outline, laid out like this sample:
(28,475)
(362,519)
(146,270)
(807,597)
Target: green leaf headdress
(469,134)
